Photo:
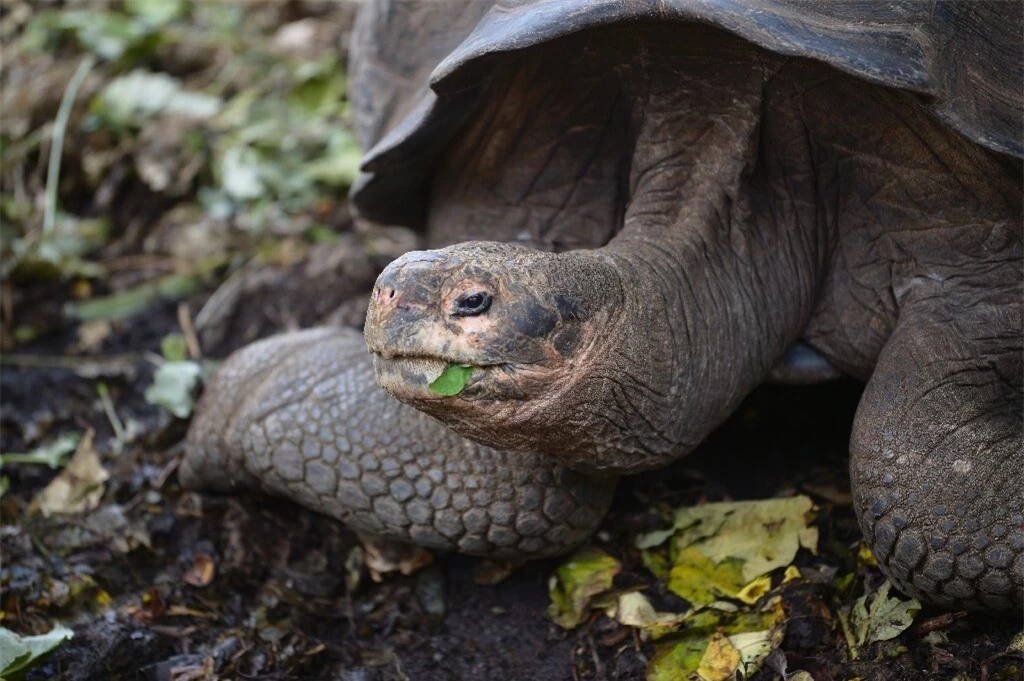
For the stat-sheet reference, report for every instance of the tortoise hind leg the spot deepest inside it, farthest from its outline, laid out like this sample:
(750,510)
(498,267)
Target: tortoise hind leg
(300,416)
(936,455)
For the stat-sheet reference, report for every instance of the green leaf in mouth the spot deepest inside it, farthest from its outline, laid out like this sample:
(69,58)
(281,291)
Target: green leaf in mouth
(452,380)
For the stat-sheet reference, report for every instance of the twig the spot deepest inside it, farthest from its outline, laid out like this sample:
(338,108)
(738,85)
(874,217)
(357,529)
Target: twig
(60,125)
(942,621)
(189,331)
(108,407)
(120,365)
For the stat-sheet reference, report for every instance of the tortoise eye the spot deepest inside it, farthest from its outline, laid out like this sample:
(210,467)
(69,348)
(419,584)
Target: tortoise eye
(472,304)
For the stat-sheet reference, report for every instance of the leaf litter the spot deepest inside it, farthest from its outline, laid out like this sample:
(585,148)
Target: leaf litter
(718,557)
(78,487)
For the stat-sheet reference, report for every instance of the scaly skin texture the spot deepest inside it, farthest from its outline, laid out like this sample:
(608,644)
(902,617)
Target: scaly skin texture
(299,416)
(744,215)
(755,217)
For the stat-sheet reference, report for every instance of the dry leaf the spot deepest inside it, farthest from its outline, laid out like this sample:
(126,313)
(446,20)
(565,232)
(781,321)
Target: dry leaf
(202,571)
(76,489)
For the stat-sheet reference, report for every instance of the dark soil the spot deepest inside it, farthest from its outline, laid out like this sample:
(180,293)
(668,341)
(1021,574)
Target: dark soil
(279,607)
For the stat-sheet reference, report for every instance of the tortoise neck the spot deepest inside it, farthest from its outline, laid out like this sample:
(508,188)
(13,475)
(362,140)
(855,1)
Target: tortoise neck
(719,288)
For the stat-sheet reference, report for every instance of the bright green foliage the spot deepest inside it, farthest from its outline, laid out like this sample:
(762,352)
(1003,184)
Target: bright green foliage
(127,302)
(452,380)
(19,653)
(174,347)
(52,454)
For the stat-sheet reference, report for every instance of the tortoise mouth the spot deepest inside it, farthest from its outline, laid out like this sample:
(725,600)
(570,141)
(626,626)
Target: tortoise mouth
(411,376)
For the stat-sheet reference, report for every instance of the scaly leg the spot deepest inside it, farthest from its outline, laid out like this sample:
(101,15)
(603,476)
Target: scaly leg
(937,454)
(300,416)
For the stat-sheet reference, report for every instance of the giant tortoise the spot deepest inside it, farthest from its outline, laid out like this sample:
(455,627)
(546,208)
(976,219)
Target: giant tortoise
(639,208)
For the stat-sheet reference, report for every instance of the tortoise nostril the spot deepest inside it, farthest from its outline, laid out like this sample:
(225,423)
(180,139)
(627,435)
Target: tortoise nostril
(391,294)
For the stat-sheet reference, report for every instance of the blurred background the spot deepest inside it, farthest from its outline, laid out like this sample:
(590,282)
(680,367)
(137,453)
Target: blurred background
(155,152)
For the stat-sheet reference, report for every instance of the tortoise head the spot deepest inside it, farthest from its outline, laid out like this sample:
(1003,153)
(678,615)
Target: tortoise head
(500,311)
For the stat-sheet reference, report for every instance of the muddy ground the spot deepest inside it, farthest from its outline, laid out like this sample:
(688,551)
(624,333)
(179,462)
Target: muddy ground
(162,583)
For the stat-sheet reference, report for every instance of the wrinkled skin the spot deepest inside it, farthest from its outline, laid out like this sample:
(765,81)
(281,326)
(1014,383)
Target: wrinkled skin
(742,214)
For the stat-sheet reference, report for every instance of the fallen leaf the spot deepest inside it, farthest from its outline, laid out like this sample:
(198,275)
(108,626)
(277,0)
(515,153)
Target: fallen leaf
(753,591)
(19,653)
(754,648)
(77,488)
(452,380)
(151,607)
(885,619)
(758,536)
(202,571)
(60,251)
(354,564)
(634,609)
(239,171)
(51,454)
(753,635)
(791,574)
(382,557)
(108,522)
(92,334)
(174,347)
(865,556)
(132,98)
(173,387)
(700,581)
(576,582)
(720,660)
(763,534)
(677,661)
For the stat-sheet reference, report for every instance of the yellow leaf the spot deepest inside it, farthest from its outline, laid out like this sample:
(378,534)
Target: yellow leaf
(753,591)
(700,581)
(792,574)
(865,556)
(576,582)
(1016,644)
(720,660)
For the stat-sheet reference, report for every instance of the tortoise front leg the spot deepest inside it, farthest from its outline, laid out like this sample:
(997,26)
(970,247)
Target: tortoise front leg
(936,454)
(300,416)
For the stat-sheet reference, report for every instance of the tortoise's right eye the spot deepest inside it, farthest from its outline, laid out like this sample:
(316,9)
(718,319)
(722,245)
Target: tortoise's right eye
(472,304)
